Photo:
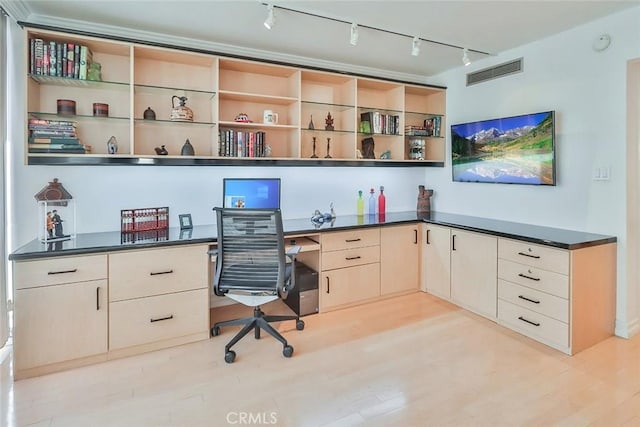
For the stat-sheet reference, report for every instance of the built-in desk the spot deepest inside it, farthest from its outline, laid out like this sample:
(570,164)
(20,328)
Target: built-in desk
(106,295)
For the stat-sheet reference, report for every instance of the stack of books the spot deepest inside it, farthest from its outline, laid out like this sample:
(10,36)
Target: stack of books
(54,136)
(235,143)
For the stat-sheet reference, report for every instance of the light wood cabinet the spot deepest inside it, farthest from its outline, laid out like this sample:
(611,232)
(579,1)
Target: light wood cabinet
(436,260)
(136,77)
(474,258)
(350,263)
(563,298)
(400,258)
(158,297)
(59,321)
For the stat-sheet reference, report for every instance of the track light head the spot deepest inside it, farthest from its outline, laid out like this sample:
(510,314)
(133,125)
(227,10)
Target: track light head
(465,57)
(354,34)
(415,46)
(271,19)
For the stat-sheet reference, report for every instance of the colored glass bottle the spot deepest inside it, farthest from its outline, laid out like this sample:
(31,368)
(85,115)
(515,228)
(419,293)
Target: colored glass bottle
(382,202)
(372,202)
(360,203)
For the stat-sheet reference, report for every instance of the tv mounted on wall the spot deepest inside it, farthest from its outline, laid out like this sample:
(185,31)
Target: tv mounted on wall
(509,150)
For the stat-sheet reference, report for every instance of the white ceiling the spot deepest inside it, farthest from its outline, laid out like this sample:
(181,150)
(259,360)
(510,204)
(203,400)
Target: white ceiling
(489,26)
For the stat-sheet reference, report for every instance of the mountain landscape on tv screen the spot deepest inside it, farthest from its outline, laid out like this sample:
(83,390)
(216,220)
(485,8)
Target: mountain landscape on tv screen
(517,150)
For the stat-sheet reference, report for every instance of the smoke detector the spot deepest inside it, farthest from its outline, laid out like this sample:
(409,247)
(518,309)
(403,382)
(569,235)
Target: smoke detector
(601,43)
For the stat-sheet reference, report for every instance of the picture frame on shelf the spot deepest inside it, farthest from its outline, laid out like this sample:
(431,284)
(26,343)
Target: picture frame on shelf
(185,221)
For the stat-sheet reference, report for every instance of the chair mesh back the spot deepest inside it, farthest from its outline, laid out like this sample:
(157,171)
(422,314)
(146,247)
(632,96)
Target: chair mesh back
(250,250)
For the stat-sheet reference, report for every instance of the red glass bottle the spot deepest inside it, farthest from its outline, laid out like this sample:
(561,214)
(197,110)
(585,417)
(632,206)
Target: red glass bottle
(382,202)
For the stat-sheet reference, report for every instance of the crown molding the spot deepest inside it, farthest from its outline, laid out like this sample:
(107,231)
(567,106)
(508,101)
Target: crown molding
(221,48)
(17,9)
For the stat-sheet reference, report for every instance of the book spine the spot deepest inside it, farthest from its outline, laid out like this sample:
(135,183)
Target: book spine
(252,144)
(32,56)
(39,53)
(45,60)
(83,63)
(70,52)
(65,59)
(76,61)
(59,59)
(53,59)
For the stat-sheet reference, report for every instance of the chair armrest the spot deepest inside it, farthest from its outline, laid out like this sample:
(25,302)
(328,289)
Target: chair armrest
(292,252)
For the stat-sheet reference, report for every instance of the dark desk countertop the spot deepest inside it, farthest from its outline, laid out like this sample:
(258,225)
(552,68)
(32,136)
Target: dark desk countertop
(88,243)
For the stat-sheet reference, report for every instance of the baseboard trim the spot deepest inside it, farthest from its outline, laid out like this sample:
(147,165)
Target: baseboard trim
(627,329)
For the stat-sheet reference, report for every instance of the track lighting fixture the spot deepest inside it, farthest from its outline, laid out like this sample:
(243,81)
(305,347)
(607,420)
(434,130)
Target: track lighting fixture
(354,34)
(465,57)
(271,19)
(415,46)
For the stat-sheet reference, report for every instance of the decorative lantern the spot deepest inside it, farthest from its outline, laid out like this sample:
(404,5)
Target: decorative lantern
(56,213)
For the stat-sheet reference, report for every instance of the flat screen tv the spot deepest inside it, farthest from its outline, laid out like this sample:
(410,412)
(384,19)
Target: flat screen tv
(510,150)
(251,193)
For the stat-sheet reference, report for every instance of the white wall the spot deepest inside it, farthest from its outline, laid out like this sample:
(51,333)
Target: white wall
(588,92)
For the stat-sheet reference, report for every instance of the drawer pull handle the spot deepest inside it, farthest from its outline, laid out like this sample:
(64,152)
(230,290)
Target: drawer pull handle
(98,298)
(160,272)
(328,284)
(352,240)
(453,242)
(428,243)
(528,299)
(529,255)
(161,319)
(528,321)
(351,258)
(415,237)
(536,279)
(63,271)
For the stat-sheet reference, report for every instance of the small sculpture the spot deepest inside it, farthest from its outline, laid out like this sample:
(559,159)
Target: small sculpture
(314,156)
(267,150)
(311,126)
(318,218)
(328,122)
(161,151)
(187,149)
(424,199)
(149,114)
(180,112)
(242,118)
(112,145)
(367,148)
(386,155)
(328,156)
(94,72)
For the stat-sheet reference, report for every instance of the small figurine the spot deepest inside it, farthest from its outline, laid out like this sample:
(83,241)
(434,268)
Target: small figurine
(49,225)
(328,156)
(424,199)
(367,148)
(311,126)
(94,72)
(161,151)
(57,224)
(267,150)
(112,145)
(386,155)
(314,156)
(328,122)
(149,114)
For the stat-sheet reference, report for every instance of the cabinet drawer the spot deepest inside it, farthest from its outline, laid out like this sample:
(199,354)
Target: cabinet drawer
(146,320)
(540,302)
(135,274)
(350,239)
(55,271)
(350,257)
(536,278)
(544,257)
(349,285)
(534,325)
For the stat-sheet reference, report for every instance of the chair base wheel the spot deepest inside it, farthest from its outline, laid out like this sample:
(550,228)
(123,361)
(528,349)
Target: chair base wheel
(287,351)
(300,325)
(230,356)
(215,331)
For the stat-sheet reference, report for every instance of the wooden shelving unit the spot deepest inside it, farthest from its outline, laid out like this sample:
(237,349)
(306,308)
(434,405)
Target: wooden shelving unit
(138,76)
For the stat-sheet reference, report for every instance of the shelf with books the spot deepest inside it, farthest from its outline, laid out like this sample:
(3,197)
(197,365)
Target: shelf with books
(71,82)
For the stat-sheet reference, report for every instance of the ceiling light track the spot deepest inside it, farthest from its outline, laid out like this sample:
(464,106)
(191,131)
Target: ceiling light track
(413,38)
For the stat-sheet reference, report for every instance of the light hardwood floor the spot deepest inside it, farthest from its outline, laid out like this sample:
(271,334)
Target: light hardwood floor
(413,360)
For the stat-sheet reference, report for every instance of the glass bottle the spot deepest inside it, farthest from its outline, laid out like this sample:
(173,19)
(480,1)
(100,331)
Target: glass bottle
(360,203)
(382,202)
(372,202)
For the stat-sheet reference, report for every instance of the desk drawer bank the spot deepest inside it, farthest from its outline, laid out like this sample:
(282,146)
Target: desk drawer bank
(96,297)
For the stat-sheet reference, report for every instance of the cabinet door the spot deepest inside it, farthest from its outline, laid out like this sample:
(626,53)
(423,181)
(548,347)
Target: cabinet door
(349,285)
(399,258)
(60,322)
(436,260)
(474,260)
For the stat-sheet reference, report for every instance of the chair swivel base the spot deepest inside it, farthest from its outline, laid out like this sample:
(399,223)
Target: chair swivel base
(256,323)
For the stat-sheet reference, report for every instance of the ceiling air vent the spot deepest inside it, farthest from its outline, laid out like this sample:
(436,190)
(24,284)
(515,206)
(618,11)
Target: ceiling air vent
(495,72)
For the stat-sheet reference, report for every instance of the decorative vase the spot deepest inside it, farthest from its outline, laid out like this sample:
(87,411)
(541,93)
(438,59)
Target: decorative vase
(149,114)
(187,149)
(424,199)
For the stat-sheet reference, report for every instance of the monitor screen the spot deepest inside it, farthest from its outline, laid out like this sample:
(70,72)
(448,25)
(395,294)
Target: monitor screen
(251,193)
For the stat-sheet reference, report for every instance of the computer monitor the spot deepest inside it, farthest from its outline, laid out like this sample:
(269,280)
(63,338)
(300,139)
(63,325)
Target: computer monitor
(251,193)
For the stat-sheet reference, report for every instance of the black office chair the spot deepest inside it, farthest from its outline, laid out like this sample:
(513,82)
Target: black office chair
(252,268)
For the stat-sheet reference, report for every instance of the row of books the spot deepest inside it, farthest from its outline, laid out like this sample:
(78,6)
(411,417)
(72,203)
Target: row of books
(376,122)
(431,127)
(50,58)
(235,143)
